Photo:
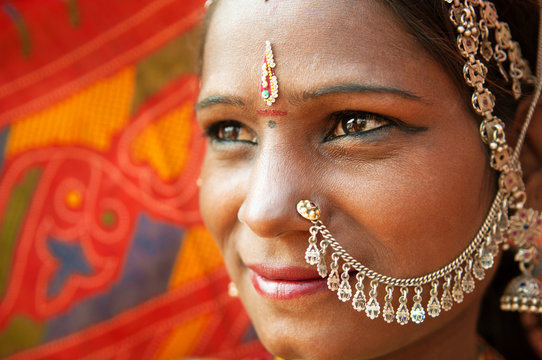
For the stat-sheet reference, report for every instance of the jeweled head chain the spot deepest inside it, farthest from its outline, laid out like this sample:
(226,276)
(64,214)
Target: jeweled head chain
(269,86)
(481,36)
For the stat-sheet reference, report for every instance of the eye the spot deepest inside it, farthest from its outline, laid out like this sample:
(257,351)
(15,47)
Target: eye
(355,123)
(233,131)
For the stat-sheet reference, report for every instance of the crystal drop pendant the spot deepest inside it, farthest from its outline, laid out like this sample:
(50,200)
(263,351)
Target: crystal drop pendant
(496,238)
(312,255)
(372,309)
(492,246)
(402,316)
(333,280)
(486,259)
(345,291)
(457,292)
(359,301)
(468,284)
(417,314)
(503,223)
(322,267)
(433,307)
(387,313)
(446,300)
(478,270)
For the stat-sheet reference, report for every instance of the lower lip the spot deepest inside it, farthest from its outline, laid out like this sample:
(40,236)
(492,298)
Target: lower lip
(286,290)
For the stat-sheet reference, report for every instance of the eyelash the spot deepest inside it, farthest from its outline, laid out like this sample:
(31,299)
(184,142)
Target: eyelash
(220,131)
(345,123)
(356,123)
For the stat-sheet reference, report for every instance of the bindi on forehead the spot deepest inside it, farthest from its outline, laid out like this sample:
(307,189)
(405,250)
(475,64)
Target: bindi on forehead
(270,112)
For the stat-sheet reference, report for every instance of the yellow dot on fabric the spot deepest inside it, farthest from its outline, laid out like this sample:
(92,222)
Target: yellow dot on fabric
(73,199)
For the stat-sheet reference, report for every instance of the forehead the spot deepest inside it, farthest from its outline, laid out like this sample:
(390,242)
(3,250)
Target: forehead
(333,41)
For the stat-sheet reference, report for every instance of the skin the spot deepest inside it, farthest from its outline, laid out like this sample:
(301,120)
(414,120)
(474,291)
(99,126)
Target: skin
(404,198)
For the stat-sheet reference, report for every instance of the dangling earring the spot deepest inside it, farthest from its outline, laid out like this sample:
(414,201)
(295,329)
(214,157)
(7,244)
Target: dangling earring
(475,22)
(523,293)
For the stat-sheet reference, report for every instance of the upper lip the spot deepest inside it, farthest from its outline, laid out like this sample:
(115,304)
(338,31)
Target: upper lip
(284,272)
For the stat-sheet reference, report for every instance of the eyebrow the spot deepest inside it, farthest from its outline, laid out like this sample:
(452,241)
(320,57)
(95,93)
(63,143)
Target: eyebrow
(359,88)
(312,94)
(219,99)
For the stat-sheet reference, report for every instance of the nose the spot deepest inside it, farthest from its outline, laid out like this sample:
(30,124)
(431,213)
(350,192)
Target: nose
(280,177)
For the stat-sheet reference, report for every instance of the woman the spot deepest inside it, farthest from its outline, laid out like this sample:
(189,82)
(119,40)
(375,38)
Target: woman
(362,108)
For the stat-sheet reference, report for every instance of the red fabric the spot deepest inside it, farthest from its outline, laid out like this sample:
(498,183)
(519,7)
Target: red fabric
(103,253)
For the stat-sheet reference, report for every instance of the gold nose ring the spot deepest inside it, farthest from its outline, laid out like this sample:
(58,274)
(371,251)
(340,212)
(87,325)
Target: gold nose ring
(309,210)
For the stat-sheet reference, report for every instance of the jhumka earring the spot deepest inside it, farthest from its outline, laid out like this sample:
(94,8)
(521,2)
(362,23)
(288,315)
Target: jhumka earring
(269,87)
(481,36)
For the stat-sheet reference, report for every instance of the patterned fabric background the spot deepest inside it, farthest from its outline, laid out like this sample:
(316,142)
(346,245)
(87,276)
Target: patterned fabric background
(102,251)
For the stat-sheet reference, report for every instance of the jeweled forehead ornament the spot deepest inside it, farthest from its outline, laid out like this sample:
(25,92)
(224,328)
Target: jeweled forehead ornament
(269,87)
(481,36)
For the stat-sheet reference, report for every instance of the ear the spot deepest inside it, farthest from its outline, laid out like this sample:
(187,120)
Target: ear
(531,153)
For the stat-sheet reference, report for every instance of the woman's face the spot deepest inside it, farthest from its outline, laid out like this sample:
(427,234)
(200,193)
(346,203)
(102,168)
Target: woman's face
(404,190)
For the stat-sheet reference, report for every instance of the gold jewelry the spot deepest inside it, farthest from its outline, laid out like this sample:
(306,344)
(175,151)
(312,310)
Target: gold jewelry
(524,225)
(269,87)
(507,222)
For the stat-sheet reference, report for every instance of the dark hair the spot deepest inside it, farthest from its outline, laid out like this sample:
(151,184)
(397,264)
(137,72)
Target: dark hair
(428,21)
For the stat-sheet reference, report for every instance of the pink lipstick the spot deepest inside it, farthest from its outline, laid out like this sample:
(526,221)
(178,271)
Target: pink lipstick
(285,282)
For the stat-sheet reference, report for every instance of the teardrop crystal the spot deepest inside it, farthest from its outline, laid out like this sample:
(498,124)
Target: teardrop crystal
(387,313)
(446,300)
(359,301)
(417,314)
(345,291)
(403,315)
(503,223)
(492,246)
(312,255)
(478,270)
(496,239)
(457,292)
(433,307)
(322,267)
(468,284)
(333,280)
(486,259)
(372,309)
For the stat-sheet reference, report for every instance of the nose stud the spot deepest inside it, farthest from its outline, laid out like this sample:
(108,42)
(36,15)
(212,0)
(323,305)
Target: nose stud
(309,210)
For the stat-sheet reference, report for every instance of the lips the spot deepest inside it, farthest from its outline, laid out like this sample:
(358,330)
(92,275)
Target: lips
(285,282)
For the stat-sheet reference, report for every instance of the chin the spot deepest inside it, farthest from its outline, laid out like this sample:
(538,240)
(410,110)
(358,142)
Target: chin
(318,336)
(328,329)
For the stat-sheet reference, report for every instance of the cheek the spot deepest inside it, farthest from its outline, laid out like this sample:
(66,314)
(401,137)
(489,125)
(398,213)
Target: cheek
(220,192)
(422,208)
